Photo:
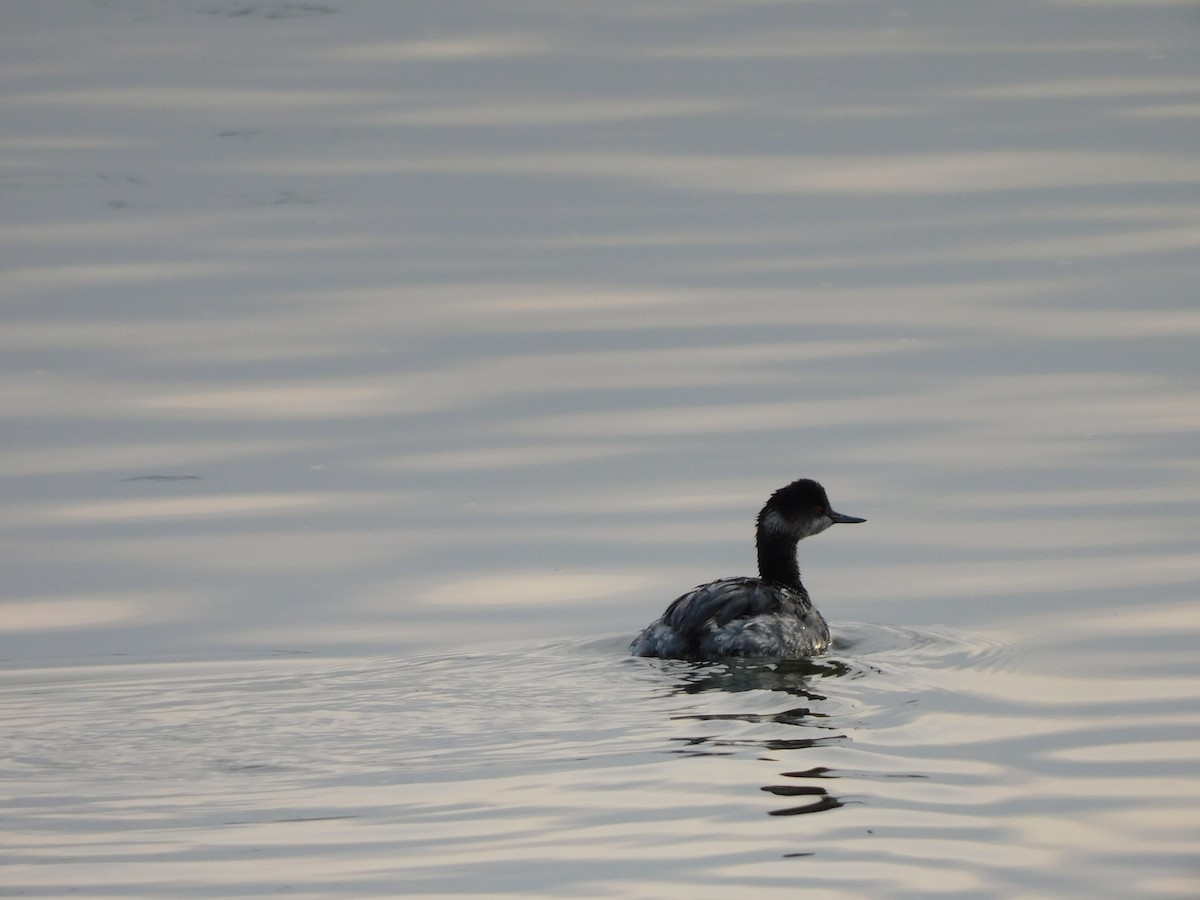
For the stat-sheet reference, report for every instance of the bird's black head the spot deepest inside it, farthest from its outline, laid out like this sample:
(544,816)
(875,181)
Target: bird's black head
(799,510)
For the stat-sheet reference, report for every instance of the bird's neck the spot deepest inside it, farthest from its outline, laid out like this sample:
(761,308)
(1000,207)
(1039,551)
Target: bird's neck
(777,558)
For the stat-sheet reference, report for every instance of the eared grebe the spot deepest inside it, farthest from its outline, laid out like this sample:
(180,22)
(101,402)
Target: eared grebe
(770,615)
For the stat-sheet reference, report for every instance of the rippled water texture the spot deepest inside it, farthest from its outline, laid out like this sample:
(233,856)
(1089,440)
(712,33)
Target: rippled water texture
(914,761)
(372,372)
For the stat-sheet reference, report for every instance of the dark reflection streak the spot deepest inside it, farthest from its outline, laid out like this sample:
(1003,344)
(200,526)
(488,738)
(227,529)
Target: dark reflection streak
(797,744)
(733,676)
(823,772)
(799,716)
(793,790)
(735,683)
(739,676)
(816,772)
(699,753)
(821,805)
(801,744)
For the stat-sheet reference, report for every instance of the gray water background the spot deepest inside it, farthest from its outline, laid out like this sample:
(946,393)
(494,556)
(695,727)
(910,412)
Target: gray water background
(373,371)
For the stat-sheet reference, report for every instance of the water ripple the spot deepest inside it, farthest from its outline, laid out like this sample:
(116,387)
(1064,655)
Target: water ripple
(909,752)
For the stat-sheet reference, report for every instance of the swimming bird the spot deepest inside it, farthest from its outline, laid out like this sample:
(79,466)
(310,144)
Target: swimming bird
(770,615)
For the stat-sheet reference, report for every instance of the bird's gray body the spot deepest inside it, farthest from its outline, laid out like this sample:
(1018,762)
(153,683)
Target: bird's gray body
(736,617)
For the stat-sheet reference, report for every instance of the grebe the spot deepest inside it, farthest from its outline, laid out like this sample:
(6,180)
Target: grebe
(770,615)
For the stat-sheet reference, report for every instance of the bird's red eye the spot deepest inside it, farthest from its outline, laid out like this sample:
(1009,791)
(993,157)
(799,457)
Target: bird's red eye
(819,510)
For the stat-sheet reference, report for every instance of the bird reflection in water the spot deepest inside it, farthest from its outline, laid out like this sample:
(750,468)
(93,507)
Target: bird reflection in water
(795,677)
(822,799)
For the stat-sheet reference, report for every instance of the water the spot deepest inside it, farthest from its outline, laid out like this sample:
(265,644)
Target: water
(372,373)
(913,761)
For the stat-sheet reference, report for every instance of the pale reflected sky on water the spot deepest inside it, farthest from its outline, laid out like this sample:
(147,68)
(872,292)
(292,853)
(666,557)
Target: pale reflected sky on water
(519,311)
(372,371)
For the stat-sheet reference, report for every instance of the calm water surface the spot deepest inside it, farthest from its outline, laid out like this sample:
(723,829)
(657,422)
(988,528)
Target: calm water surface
(373,372)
